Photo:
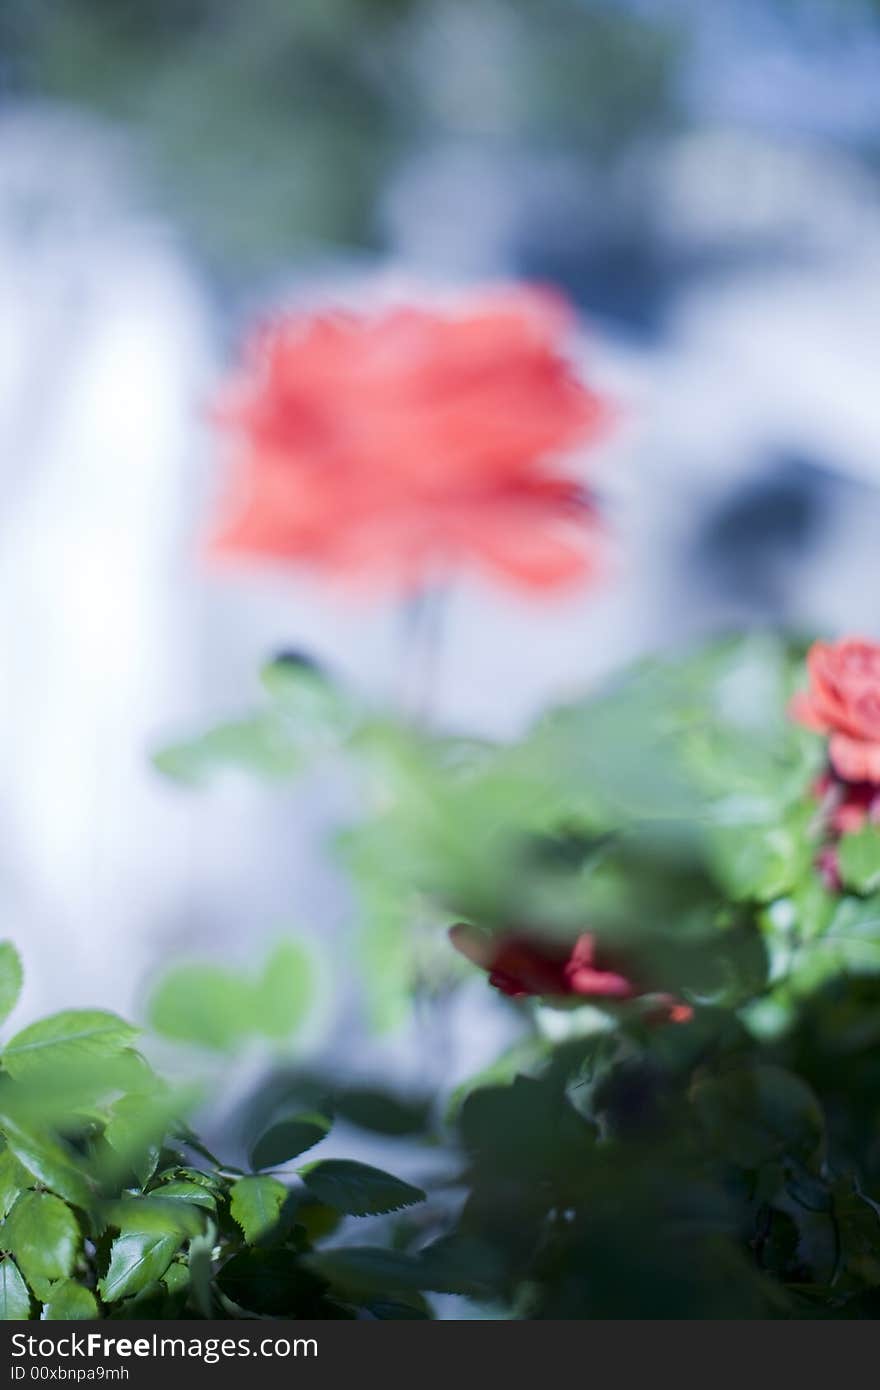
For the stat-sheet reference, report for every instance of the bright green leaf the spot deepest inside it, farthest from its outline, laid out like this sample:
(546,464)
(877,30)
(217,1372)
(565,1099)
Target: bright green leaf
(256,1204)
(15,1300)
(10,978)
(859,859)
(47,1160)
(137,1258)
(193,1193)
(13,1180)
(283,991)
(154,1215)
(200,1268)
(70,1302)
(262,746)
(206,1005)
(134,1129)
(66,1038)
(44,1236)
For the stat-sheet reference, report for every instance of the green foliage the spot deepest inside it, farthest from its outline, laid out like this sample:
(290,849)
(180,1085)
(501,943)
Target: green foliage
(64,1039)
(306,716)
(43,1235)
(70,1302)
(859,857)
(111,1207)
(726,1164)
(15,1299)
(287,1138)
(256,1205)
(356,1188)
(10,978)
(219,1009)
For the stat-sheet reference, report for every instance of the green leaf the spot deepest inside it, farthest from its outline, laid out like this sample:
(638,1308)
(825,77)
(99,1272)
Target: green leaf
(44,1236)
(759,1114)
(66,1038)
(15,1300)
(205,1005)
(367,1269)
(268,1281)
(284,990)
(284,1140)
(256,1205)
(262,746)
(70,1302)
(177,1278)
(758,863)
(137,1258)
(859,858)
(152,1214)
(134,1130)
(357,1189)
(851,943)
(13,1180)
(461,1264)
(194,1193)
(200,1269)
(382,1113)
(456,1264)
(10,978)
(47,1160)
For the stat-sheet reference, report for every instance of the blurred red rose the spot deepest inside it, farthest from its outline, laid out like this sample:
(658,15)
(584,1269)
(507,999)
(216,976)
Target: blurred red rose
(843,701)
(400,446)
(520,966)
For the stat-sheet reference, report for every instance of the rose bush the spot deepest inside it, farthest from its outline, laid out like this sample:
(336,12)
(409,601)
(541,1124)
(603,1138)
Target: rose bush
(672,884)
(684,1142)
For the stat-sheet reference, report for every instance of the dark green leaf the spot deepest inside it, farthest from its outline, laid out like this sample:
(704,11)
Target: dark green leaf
(357,1189)
(380,1112)
(284,1140)
(269,1281)
(366,1269)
